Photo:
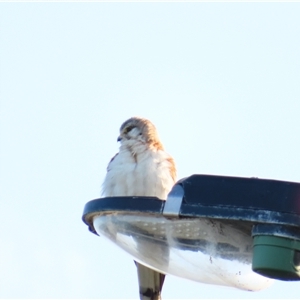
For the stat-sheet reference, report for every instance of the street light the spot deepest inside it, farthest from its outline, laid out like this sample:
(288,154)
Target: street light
(230,231)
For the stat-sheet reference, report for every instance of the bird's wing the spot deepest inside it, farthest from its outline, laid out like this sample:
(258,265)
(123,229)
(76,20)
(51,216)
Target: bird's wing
(109,164)
(150,282)
(172,168)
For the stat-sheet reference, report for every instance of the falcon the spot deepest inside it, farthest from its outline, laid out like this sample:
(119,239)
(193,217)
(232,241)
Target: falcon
(141,168)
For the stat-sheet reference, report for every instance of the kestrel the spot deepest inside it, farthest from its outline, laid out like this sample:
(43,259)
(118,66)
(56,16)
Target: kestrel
(141,168)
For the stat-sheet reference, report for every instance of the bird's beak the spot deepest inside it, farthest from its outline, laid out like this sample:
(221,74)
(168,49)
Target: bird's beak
(119,139)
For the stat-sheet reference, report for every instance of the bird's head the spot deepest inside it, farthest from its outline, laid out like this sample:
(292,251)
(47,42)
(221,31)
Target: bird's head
(140,130)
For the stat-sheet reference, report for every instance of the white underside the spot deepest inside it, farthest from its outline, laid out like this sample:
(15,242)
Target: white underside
(146,174)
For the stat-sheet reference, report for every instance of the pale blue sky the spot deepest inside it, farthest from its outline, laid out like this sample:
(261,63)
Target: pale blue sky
(221,82)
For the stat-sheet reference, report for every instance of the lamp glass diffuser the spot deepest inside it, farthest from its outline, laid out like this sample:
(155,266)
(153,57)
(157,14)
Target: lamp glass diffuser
(199,249)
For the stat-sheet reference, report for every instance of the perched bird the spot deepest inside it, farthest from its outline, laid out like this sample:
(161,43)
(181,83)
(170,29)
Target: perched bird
(141,168)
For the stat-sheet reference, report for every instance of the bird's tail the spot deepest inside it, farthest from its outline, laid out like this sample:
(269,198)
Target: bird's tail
(150,282)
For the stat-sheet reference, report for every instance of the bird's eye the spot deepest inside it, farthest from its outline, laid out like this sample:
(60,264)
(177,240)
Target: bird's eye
(129,128)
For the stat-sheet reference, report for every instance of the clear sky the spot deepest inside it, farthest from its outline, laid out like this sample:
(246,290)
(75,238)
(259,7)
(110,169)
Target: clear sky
(221,82)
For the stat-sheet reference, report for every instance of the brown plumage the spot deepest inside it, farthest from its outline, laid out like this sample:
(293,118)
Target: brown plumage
(141,168)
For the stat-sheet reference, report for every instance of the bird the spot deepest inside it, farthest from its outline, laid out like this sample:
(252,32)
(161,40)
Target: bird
(141,168)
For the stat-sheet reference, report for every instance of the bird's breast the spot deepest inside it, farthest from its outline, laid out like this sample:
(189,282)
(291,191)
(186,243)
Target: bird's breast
(144,174)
